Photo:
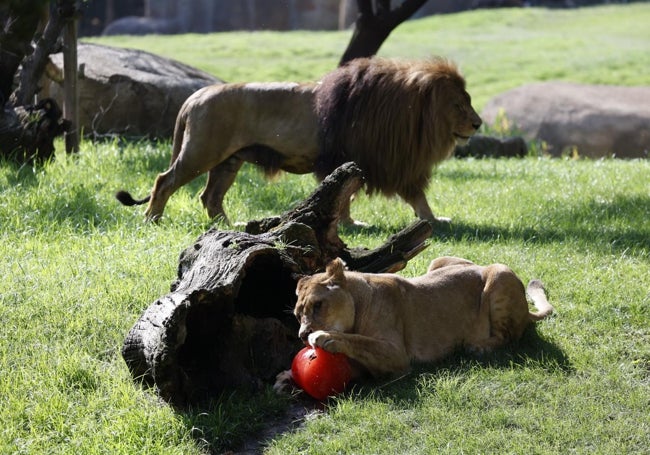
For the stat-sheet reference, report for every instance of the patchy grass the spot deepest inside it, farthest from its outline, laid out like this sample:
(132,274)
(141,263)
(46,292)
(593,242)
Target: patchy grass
(79,269)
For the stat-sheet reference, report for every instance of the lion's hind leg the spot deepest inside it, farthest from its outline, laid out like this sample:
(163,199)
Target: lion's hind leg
(166,184)
(181,172)
(220,179)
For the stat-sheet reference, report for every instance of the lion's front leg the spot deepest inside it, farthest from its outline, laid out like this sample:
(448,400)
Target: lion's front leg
(379,357)
(346,218)
(418,201)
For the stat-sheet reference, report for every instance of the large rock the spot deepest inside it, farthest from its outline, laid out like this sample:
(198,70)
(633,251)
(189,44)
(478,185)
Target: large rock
(595,120)
(127,92)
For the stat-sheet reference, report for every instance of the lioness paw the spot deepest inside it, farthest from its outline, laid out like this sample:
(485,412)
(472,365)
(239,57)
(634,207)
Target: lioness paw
(284,383)
(322,339)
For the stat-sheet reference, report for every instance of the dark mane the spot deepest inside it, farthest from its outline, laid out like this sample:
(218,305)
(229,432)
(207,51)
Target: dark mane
(388,116)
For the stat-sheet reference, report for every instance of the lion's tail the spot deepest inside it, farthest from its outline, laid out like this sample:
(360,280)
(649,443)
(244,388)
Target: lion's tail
(536,292)
(125,198)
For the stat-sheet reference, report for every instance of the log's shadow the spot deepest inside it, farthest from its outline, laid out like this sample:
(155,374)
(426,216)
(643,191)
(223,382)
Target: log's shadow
(244,423)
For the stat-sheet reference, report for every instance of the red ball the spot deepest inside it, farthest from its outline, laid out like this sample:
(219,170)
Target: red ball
(320,373)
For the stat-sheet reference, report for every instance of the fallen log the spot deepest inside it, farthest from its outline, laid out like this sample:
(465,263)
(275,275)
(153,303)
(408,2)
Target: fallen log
(27,133)
(227,321)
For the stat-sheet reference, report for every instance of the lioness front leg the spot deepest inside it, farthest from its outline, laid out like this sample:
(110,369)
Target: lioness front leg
(379,357)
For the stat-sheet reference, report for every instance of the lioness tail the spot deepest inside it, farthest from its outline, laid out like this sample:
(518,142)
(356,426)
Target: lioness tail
(536,292)
(125,198)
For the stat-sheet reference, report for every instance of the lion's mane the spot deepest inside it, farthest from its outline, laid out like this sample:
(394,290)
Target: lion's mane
(389,117)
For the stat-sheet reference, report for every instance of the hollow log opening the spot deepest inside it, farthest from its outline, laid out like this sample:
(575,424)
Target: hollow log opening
(268,289)
(245,348)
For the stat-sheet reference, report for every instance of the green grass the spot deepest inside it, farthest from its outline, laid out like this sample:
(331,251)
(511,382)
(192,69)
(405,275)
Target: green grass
(78,269)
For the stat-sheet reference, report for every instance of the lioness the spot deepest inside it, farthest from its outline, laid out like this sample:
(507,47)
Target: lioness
(396,119)
(384,321)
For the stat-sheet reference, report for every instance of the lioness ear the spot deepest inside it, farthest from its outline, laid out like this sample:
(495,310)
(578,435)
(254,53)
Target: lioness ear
(300,284)
(335,270)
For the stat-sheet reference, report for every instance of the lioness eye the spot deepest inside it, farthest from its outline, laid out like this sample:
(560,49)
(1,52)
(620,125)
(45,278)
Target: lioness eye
(317,305)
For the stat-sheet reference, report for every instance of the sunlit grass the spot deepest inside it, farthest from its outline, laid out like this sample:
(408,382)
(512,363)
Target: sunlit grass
(78,269)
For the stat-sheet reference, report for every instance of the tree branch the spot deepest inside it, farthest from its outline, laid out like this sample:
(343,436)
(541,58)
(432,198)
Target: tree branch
(372,28)
(405,10)
(365,7)
(34,64)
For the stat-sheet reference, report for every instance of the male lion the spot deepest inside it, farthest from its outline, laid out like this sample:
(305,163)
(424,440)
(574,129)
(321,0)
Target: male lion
(383,321)
(396,119)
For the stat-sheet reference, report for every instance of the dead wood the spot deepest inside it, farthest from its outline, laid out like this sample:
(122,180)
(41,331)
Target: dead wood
(27,132)
(227,321)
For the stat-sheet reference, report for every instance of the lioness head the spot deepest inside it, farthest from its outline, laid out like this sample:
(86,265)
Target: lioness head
(324,303)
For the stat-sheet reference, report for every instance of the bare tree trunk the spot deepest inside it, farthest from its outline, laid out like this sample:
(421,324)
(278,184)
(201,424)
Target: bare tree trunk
(27,132)
(34,64)
(70,87)
(227,321)
(375,22)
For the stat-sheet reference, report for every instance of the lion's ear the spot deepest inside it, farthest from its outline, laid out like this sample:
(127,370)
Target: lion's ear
(335,269)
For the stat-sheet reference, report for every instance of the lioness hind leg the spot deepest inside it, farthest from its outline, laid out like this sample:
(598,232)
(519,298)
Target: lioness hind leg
(446,261)
(220,179)
(503,307)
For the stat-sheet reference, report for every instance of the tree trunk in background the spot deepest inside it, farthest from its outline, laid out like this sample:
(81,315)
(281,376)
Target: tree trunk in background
(70,85)
(27,132)
(375,22)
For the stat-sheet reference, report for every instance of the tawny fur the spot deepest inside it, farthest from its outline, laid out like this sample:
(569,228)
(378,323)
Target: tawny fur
(395,119)
(384,322)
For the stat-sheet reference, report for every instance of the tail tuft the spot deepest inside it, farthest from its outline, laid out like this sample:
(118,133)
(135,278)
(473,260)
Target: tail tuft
(125,198)
(536,292)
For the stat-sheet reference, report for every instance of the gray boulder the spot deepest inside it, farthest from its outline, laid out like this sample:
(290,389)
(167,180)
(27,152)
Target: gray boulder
(596,120)
(480,146)
(126,91)
(135,25)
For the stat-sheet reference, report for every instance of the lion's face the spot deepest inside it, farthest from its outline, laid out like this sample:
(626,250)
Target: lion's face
(464,120)
(324,303)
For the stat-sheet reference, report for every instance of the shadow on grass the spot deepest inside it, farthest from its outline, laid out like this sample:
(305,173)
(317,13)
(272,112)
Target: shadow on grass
(615,226)
(531,351)
(20,174)
(246,422)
